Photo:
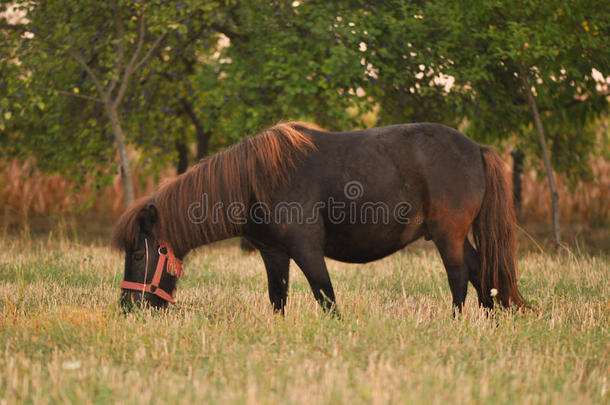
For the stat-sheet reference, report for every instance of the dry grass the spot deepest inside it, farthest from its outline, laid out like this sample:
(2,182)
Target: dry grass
(64,341)
(588,203)
(25,193)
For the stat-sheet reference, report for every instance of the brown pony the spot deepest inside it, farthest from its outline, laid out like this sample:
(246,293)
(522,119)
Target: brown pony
(296,191)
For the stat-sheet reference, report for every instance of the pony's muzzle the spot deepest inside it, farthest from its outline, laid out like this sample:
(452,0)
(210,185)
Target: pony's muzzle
(131,300)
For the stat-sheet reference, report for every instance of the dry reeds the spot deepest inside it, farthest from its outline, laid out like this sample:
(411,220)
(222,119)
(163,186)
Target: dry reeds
(588,203)
(25,192)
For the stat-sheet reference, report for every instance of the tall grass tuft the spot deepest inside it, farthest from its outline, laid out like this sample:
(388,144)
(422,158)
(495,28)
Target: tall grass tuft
(26,192)
(587,203)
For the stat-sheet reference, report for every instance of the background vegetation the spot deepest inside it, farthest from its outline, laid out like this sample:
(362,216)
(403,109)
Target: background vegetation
(88,88)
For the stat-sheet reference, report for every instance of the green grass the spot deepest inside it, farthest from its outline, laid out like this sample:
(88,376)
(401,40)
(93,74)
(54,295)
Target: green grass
(63,339)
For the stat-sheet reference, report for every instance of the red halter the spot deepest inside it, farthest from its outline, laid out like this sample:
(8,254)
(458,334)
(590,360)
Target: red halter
(174,267)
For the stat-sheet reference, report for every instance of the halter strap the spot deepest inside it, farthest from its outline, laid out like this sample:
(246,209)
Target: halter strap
(167,260)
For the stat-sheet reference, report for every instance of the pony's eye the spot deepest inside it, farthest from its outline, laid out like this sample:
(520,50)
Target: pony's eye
(137,256)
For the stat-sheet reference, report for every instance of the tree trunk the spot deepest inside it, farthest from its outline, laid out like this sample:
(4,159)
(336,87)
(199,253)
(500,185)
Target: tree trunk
(545,155)
(119,137)
(203,141)
(518,157)
(183,158)
(203,136)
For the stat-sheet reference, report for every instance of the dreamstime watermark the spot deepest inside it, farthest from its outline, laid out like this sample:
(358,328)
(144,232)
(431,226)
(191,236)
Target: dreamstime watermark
(351,209)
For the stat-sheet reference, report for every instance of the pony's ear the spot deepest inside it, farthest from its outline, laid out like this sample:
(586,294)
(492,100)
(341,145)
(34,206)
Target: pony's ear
(148,218)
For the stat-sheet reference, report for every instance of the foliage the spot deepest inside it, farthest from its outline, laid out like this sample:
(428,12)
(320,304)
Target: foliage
(36,119)
(291,60)
(176,101)
(72,63)
(484,44)
(326,62)
(406,84)
(331,62)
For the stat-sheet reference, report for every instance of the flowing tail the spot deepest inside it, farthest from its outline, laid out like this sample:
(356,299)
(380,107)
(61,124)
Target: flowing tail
(495,237)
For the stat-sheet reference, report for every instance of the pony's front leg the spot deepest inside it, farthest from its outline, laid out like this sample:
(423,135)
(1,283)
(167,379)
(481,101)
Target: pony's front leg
(311,262)
(277,264)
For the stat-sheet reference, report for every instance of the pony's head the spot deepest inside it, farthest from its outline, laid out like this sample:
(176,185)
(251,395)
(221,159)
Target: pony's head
(151,269)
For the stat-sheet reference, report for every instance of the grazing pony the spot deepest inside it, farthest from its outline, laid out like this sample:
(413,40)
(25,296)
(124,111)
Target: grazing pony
(296,191)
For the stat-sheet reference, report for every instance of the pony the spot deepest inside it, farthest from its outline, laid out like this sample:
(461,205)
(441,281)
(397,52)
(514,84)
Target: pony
(298,192)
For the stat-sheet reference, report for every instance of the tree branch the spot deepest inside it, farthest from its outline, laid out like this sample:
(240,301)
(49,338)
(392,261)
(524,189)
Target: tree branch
(133,66)
(67,93)
(150,52)
(120,46)
(70,52)
(77,57)
(160,39)
(523,74)
(13,27)
(129,69)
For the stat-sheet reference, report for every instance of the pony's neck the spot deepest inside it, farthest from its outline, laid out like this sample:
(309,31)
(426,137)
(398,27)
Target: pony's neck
(211,200)
(219,221)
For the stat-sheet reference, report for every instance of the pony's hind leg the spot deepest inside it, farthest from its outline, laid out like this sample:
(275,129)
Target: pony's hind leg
(277,264)
(471,257)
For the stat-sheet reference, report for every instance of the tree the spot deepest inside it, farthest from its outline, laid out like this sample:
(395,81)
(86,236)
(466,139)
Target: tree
(174,104)
(109,43)
(289,60)
(403,81)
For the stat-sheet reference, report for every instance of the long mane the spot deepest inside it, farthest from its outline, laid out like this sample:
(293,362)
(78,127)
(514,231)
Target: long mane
(245,172)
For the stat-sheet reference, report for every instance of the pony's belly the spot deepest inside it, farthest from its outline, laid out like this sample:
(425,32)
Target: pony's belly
(356,256)
(366,244)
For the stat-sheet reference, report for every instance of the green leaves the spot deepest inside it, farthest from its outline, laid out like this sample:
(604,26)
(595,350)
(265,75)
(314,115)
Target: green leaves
(486,41)
(335,63)
(77,59)
(292,63)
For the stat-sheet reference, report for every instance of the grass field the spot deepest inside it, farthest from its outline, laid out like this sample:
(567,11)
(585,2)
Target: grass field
(63,339)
